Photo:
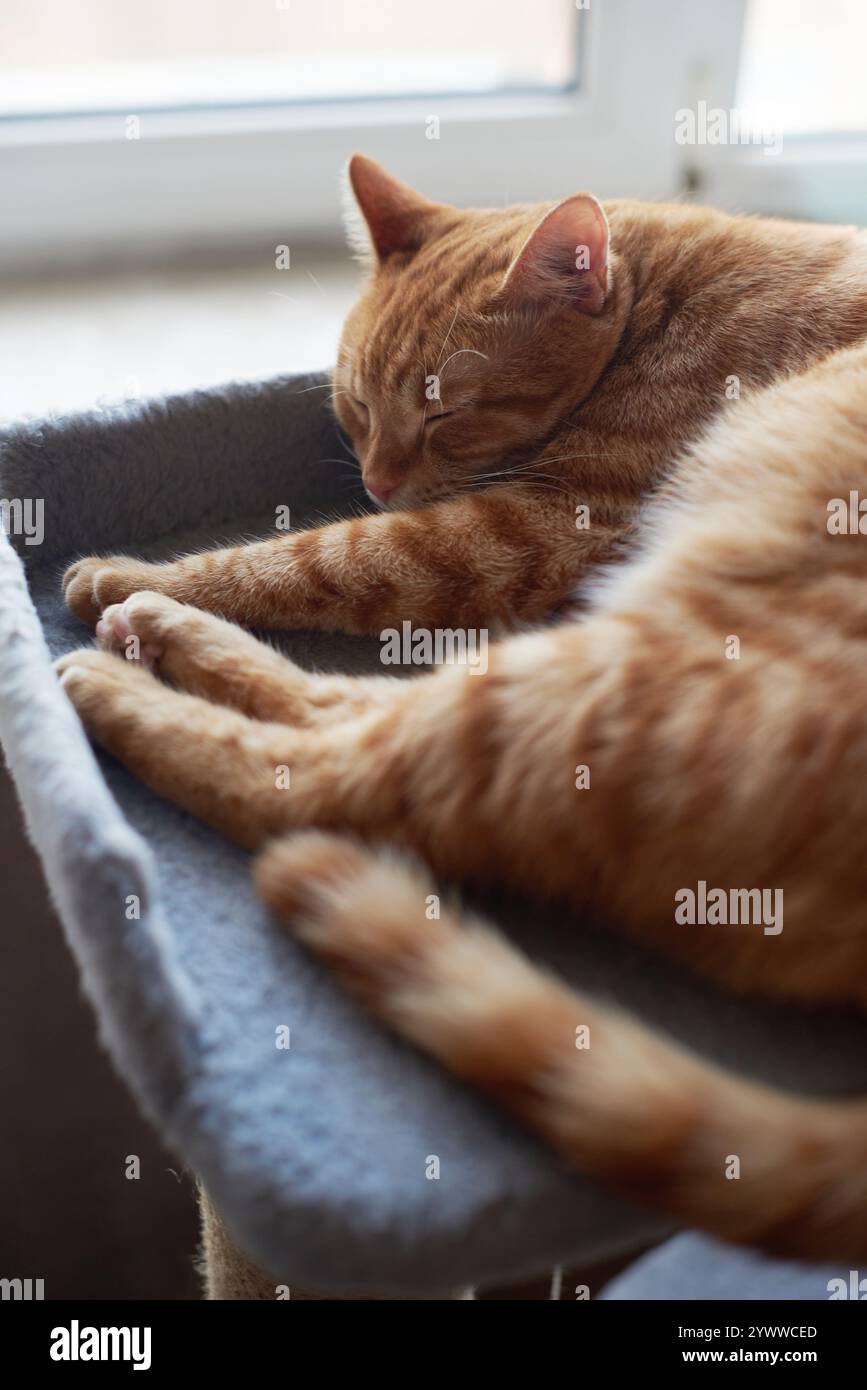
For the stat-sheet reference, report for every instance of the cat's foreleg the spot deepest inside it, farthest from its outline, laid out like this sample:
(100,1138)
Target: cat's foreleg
(480,560)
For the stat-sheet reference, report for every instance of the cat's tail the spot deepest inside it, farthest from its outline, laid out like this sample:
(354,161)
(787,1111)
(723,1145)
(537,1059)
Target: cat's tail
(660,1126)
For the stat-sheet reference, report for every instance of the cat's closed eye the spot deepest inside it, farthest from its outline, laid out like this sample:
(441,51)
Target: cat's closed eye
(440,415)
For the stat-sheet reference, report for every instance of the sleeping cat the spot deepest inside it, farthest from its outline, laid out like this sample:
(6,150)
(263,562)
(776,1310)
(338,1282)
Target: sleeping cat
(644,413)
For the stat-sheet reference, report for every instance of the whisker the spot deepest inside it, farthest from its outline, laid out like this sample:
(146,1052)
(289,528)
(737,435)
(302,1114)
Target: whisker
(457,353)
(534,487)
(347,443)
(557,458)
(446,338)
(528,469)
(535,480)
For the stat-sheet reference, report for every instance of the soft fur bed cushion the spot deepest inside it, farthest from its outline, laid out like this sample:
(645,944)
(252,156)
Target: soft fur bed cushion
(693,1267)
(316,1155)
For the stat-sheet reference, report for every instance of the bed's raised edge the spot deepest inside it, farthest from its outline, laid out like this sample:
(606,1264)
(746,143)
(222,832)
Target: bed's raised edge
(126,474)
(98,870)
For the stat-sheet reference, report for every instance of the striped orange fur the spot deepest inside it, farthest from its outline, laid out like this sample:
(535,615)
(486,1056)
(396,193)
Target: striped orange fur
(582,358)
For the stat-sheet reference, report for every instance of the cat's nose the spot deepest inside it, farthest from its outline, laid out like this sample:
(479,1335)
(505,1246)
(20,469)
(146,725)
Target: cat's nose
(380,491)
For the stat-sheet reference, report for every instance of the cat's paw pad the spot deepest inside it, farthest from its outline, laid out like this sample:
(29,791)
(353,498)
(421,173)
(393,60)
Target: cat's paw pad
(134,628)
(92,584)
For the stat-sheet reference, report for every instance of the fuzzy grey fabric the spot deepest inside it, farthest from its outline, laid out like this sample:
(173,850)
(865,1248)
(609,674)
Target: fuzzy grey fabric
(315,1155)
(694,1268)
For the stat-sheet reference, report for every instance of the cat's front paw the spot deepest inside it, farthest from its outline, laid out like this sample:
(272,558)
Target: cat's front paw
(92,584)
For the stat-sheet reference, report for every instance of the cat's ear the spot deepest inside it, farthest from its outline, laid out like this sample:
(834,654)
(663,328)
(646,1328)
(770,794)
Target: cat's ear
(564,260)
(393,216)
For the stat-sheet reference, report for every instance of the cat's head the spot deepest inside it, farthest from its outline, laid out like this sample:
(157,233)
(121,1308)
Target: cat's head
(476,334)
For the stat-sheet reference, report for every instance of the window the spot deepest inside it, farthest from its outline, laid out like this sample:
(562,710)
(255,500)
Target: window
(124,56)
(803,65)
(160,126)
(801,78)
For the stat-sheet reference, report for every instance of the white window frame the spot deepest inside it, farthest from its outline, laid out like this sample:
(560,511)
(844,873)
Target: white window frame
(79,189)
(811,177)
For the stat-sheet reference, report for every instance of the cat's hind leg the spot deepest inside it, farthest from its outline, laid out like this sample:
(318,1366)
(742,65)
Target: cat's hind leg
(230,771)
(622,1104)
(250,778)
(208,656)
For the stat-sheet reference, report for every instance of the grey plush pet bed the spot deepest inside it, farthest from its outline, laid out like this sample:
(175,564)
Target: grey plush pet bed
(316,1155)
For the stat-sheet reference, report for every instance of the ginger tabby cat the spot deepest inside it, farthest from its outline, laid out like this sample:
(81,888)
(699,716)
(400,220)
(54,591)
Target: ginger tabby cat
(582,357)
